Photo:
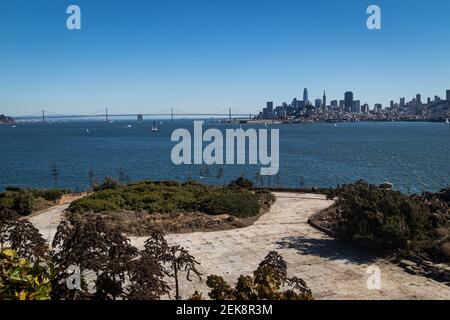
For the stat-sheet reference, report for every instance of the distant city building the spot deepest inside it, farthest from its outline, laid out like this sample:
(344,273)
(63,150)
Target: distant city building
(365,108)
(305,97)
(348,98)
(356,106)
(334,104)
(318,103)
(437,99)
(418,100)
(428,101)
(341,104)
(448,96)
(324,100)
(402,102)
(378,107)
(391,104)
(268,112)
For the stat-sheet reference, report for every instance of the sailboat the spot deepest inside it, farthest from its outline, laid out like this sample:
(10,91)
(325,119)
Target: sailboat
(154,127)
(87,131)
(447,121)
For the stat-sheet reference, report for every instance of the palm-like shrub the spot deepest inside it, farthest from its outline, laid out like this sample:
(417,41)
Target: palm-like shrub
(266,284)
(21,279)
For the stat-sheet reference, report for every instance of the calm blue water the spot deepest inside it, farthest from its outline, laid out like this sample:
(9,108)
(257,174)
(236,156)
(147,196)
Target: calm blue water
(413,156)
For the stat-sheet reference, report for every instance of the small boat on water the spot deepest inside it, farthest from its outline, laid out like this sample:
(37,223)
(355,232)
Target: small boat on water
(154,126)
(129,126)
(447,121)
(87,131)
(335,124)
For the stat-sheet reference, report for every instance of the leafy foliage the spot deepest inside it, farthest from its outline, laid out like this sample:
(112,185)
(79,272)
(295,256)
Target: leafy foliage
(170,196)
(23,201)
(21,279)
(21,236)
(389,221)
(266,284)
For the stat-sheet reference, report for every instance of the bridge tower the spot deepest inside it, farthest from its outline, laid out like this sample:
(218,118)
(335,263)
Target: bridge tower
(43,116)
(229,113)
(107,117)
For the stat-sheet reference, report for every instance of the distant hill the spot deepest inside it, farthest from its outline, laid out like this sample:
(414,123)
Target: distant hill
(6,120)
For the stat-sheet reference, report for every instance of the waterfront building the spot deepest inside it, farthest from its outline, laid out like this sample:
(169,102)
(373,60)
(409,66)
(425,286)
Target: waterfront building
(348,98)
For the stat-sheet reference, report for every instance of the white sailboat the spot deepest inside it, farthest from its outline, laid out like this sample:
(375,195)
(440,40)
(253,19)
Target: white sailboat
(154,127)
(447,121)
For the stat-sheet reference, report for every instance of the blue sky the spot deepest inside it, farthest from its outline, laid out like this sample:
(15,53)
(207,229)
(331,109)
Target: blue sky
(208,55)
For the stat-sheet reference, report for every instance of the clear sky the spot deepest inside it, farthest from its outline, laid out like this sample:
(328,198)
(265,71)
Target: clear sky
(208,55)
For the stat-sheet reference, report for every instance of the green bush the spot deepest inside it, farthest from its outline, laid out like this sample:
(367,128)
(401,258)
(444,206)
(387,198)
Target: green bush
(23,202)
(389,220)
(170,196)
(239,204)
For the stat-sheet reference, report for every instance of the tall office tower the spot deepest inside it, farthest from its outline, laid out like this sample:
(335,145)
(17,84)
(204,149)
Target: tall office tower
(391,104)
(418,100)
(269,106)
(437,99)
(348,98)
(428,101)
(357,106)
(402,102)
(324,100)
(305,97)
(342,104)
(448,96)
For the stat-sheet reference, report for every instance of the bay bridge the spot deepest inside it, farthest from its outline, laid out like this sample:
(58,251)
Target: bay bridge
(108,115)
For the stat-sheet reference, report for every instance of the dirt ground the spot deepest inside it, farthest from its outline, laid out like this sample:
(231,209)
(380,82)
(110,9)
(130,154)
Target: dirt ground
(331,268)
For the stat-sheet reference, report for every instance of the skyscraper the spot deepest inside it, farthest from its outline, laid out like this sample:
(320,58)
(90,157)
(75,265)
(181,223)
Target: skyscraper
(448,96)
(357,106)
(305,96)
(402,102)
(418,100)
(324,100)
(348,98)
